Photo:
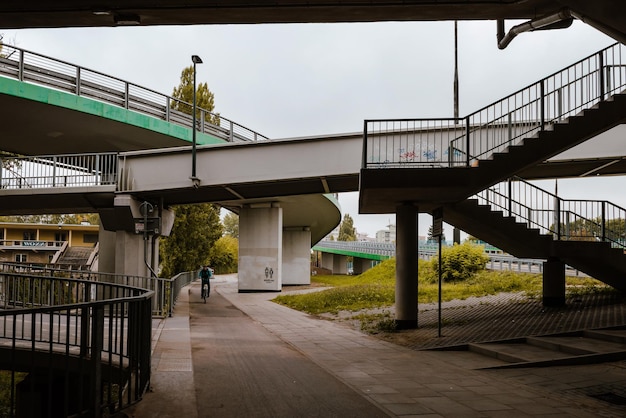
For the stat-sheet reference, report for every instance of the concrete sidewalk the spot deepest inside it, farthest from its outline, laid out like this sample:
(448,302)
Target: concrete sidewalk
(397,380)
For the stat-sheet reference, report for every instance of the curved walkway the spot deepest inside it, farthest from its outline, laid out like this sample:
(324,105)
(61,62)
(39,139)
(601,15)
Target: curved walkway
(242,355)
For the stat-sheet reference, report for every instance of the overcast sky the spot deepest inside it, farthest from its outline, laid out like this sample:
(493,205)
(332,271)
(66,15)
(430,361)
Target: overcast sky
(294,80)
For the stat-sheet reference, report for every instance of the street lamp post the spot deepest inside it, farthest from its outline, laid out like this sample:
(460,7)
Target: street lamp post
(196,60)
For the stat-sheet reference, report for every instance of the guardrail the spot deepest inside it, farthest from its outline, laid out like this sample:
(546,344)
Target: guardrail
(93,325)
(460,142)
(36,244)
(69,170)
(39,69)
(165,291)
(564,219)
(72,347)
(427,251)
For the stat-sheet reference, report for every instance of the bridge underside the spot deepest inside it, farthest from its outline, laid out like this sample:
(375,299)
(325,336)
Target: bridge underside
(606,15)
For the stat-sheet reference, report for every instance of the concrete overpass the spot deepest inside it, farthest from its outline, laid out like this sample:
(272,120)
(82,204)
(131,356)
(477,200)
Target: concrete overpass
(605,15)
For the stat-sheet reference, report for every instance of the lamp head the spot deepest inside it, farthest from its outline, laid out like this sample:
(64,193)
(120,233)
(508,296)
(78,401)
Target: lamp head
(196,59)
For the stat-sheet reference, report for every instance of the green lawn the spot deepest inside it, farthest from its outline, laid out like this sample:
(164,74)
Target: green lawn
(376,288)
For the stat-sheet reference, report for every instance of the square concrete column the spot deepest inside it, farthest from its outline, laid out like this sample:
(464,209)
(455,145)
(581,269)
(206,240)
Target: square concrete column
(406,266)
(260,248)
(361,265)
(296,256)
(553,282)
(340,264)
(328,260)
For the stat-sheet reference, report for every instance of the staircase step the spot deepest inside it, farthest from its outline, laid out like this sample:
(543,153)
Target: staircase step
(517,352)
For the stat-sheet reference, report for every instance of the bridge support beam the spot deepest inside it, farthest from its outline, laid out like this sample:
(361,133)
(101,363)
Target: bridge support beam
(327,261)
(361,265)
(124,248)
(553,282)
(261,248)
(340,264)
(406,266)
(297,256)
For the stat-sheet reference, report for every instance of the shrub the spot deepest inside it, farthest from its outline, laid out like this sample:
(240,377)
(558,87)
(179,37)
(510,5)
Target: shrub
(460,262)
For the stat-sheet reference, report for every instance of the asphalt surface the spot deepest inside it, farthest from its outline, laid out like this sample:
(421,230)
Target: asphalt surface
(243,370)
(243,355)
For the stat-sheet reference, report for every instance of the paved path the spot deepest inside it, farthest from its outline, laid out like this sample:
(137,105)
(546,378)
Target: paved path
(254,358)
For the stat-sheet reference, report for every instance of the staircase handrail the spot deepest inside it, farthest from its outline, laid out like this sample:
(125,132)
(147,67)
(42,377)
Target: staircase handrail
(461,142)
(25,65)
(564,219)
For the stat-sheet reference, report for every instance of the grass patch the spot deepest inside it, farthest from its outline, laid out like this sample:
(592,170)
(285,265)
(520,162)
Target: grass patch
(375,289)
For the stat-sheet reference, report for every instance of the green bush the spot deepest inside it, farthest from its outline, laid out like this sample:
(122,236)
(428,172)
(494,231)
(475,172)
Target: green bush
(460,262)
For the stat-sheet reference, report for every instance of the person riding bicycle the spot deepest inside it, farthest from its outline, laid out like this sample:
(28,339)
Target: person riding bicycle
(205,275)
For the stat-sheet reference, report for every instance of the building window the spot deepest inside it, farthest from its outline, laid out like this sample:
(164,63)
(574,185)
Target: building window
(20,258)
(60,236)
(29,236)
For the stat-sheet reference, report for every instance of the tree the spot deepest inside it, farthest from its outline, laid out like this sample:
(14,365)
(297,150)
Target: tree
(225,255)
(347,231)
(431,238)
(231,225)
(204,98)
(196,228)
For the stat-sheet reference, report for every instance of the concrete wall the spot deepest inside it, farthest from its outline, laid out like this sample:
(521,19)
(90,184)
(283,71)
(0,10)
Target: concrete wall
(297,256)
(260,248)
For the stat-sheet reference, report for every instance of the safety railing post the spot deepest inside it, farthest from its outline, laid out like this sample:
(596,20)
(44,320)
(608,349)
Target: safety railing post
(97,344)
(20,70)
(467,142)
(231,134)
(542,103)
(603,224)
(510,195)
(54,171)
(126,95)
(557,217)
(364,156)
(77,87)
(601,75)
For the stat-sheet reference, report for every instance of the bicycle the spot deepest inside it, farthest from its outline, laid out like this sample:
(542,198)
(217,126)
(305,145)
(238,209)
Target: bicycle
(204,294)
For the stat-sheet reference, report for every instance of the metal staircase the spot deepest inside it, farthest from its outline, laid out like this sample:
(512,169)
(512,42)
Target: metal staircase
(463,165)
(527,221)
(440,161)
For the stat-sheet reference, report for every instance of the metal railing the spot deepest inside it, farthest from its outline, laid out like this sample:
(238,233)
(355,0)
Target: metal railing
(461,142)
(385,249)
(564,219)
(72,347)
(70,170)
(88,332)
(426,251)
(165,291)
(35,244)
(39,69)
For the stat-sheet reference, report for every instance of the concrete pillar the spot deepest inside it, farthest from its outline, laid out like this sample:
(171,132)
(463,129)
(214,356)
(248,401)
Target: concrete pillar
(106,251)
(340,264)
(361,265)
(260,248)
(406,266)
(296,256)
(123,249)
(553,282)
(328,260)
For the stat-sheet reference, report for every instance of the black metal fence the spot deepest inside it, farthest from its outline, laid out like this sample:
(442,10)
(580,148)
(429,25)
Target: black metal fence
(71,347)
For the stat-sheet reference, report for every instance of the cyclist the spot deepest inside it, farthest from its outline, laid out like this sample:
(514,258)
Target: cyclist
(205,275)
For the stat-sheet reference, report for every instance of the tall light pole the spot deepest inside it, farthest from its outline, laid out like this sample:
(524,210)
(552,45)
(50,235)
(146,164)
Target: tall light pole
(196,60)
